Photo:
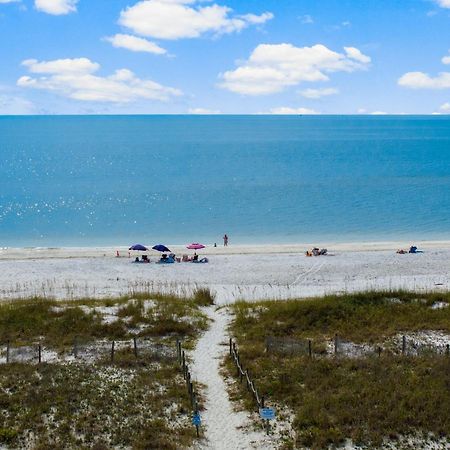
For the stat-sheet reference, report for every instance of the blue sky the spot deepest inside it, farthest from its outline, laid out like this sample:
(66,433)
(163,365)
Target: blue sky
(224,56)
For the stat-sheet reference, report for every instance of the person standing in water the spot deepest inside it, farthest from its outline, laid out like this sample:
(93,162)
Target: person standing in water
(225,240)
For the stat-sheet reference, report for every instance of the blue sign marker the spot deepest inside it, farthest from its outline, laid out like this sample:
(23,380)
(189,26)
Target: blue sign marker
(196,419)
(267,413)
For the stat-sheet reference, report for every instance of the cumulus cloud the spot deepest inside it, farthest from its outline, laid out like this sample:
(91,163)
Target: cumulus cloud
(135,44)
(318,93)
(204,111)
(446,60)
(421,80)
(76,79)
(56,7)
(445,107)
(272,68)
(286,110)
(9,1)
(443,3)
(177,19)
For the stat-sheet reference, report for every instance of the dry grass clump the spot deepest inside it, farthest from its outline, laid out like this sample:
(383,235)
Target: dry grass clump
(204,297)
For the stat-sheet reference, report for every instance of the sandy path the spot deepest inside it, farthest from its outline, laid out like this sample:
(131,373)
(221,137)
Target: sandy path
(224,428)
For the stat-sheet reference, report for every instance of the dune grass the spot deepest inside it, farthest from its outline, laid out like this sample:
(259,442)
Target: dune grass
(135,402)
(361,317)
(57,323)
(366,399)
(83,406)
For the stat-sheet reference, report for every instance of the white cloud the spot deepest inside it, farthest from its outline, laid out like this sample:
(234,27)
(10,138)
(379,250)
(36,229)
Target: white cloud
(306,19)
(446,60)
(9,1)
(135,44)
(257,20)
(318,93)
(177,19)
(378,113)
(62,66)
(56,7)
(203,111)
(443,3)
(421,80)
(272,68)
(355,54)
(75,79)
(286,110)
(445,107)
(11,105)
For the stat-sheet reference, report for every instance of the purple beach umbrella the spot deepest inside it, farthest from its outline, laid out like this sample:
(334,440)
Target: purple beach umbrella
(139,247)
(160,248)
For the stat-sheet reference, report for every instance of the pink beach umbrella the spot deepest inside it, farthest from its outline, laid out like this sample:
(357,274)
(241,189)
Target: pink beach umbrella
(195,246)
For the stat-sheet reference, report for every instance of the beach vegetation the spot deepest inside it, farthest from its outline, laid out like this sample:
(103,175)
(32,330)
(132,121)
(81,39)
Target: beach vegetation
(368,399)
(101,396)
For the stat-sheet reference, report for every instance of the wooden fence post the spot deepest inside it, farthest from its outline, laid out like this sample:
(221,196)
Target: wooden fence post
(112,351)
(403,345)
(336,344)
(262,401)
(447,351)
(310,348)
(7,352)
(135,346)
(379,351)
(184,364)
(39,353)
(75,347)
(231,346)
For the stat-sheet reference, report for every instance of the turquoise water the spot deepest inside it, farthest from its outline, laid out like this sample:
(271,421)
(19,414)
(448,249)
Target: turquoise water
(108,180)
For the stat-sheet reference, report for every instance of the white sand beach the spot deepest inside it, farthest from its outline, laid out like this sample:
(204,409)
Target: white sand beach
(236,272)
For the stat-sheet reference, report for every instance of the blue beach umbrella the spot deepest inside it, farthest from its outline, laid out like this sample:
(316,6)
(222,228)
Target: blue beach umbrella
(160,248)
(138,247)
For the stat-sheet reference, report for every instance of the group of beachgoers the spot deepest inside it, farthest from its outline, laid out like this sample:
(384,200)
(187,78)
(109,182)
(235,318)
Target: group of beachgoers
(171,258)
(316,252)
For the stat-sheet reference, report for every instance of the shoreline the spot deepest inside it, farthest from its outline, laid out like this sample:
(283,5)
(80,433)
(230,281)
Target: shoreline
(12,253)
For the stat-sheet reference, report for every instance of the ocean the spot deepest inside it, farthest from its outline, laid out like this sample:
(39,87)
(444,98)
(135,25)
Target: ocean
(117,180)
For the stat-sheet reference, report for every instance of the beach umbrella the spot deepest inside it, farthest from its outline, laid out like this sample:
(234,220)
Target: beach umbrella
(139,247)
(160,248)
(195,246)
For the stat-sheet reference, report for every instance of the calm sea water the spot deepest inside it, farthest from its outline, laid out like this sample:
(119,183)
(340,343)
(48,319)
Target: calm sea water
(107,180)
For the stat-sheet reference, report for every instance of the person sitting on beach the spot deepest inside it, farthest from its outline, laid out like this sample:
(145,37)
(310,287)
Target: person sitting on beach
(400,251)
(195,258)
(137,259)
(163,256)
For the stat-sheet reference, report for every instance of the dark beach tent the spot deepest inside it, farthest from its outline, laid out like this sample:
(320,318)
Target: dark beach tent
(138,247)
(160,248)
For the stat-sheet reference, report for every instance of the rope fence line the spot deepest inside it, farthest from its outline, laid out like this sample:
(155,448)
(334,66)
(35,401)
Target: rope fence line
(342,347)
(192,392)
(37,352)
(245,373)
